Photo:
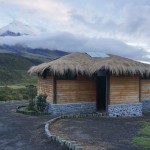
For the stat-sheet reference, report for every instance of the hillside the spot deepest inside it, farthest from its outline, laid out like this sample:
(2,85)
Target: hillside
(16,60)
(13,69)
(36,54)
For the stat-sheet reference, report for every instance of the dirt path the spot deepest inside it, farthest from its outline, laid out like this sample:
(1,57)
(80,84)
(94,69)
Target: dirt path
(101,134)
(23,132)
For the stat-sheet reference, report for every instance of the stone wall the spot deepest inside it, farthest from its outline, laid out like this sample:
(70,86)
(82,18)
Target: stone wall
(72,108)
(117,110)
(146,105)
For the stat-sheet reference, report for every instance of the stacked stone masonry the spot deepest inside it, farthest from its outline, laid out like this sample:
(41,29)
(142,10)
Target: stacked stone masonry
(115,110)
(72,108)
(118,110)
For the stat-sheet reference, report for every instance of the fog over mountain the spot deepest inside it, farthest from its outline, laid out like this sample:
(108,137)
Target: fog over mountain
(16,28)
(121,27)
(18,33)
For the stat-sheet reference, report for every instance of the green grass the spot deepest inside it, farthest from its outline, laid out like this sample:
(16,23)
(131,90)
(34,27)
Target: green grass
(17,92)
(15,86)
(144,136)
(25,109)
(145,131)
(142,142)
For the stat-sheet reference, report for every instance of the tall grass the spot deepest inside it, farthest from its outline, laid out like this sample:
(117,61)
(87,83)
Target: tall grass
(15,92)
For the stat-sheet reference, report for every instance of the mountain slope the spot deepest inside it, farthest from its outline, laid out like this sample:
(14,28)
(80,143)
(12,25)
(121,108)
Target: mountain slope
(36,54)
(15,60)
(13,69)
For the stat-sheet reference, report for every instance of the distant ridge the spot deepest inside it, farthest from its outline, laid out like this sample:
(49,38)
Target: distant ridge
(13,69)
(41,54)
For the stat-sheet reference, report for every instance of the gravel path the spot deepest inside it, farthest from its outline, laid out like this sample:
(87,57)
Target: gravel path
(101,134)
(23,132)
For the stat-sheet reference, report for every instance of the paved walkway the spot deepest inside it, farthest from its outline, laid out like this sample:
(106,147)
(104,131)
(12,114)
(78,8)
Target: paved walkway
(23,132)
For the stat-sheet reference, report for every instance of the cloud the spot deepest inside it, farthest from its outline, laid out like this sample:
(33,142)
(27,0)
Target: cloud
(36,12)
(70,42)
(84,25)
(125,20)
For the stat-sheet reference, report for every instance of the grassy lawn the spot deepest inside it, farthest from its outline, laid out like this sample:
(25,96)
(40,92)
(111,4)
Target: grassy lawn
(19,85)
(26,109)
(142,141)
(17,92)
(144,136)
(145,131)
(15,86)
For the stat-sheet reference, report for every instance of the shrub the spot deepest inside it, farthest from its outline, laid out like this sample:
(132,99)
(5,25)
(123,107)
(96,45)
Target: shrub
(8,93)
(40,102)
(31,91)
(31,105)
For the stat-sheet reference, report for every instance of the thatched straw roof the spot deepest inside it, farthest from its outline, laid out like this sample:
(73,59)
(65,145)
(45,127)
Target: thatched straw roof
(82,63)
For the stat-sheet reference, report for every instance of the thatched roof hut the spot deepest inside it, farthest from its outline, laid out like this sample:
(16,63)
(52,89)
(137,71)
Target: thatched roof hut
(84,64)
(87,83)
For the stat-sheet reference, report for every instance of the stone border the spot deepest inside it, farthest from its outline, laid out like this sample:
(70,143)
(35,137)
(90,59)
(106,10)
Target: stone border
(30,113)
(72,145)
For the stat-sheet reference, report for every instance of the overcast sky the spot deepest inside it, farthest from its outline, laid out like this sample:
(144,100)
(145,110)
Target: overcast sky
(114,26)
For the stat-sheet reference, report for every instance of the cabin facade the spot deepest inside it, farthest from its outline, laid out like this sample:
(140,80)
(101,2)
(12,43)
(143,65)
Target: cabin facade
(80,83)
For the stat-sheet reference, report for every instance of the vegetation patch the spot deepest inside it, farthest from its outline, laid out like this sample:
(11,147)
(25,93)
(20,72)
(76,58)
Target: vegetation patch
(142,142)
(36,106)
(144,136)
(14,86)
(145,131)
(25,110)
(20,92)
(13,69)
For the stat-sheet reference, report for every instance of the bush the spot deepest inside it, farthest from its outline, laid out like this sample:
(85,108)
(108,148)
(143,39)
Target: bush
(31,105)
(40,102)
(30,94)
(31,91)
(8,93)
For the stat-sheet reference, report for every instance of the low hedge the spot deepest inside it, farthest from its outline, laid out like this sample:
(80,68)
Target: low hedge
(28,112)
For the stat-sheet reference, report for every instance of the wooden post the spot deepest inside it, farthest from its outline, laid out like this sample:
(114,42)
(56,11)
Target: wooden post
(107,91)
(54,90)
